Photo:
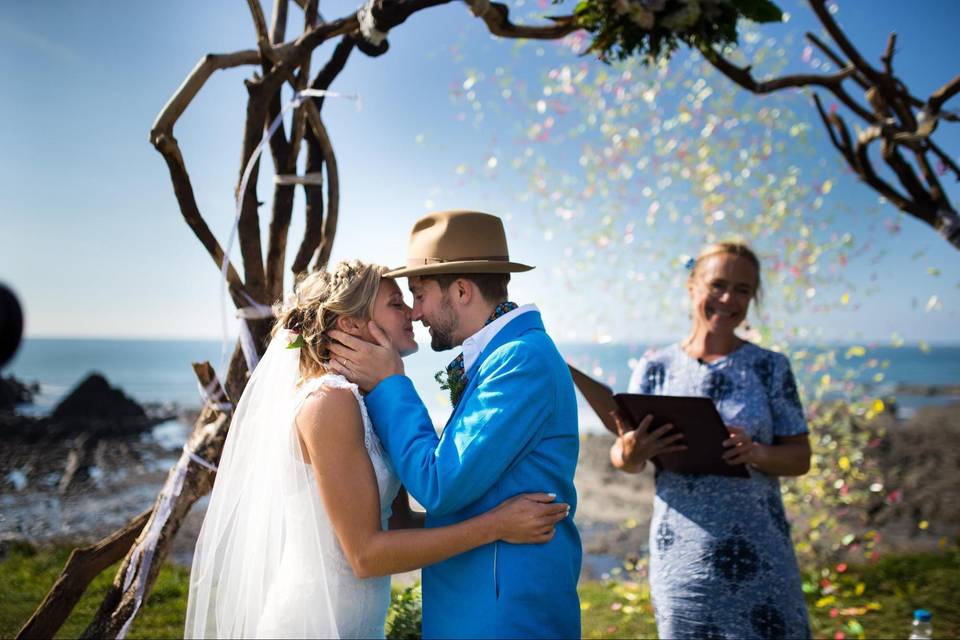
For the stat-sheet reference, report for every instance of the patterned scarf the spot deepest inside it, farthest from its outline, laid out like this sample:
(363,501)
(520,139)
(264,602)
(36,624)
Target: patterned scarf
(456,380)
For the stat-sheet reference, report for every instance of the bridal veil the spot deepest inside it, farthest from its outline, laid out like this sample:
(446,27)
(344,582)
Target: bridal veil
(260,566)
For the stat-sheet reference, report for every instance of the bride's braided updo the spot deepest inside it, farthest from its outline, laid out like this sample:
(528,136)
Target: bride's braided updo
(319,299)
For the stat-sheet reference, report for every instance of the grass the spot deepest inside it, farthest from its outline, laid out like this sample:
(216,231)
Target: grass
(866,601)
(26,575)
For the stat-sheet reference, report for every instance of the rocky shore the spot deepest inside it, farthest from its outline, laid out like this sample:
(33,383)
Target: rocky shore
(84,471)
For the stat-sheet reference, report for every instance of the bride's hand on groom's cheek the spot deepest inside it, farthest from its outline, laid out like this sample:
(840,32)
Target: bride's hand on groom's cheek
(364,363)
(529,518)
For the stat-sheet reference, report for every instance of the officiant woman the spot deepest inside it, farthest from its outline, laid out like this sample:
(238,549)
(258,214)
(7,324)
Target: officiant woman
(721,561)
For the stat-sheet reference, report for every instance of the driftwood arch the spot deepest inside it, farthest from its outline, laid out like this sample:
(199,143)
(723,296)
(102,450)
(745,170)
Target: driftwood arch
(899,121)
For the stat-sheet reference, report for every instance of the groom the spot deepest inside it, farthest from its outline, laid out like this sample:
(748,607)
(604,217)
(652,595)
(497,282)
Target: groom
(513,430)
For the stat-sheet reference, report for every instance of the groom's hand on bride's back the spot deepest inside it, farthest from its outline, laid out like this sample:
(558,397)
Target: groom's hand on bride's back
(528,518)
(364,363)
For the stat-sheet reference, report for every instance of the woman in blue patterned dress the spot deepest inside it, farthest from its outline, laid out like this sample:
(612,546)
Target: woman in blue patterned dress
(722,563)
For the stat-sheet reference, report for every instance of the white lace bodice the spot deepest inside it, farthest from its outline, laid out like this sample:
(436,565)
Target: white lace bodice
(359,605)
(387,481)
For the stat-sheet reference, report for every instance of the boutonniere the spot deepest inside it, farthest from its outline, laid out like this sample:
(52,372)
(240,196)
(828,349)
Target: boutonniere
(454,382)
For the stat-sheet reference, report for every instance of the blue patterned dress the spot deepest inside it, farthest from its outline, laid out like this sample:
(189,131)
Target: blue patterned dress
(721,561)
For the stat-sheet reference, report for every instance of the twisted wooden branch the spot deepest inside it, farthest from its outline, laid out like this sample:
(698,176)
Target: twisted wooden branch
(833,29)
(285,161)
(333,185)
(497,19)
(944,158)
(890,119)
(941,95)
(83,565)
(278,22)
(320,229)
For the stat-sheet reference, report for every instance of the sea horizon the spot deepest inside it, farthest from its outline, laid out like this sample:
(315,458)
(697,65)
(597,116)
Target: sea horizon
(845,342)
(157,370)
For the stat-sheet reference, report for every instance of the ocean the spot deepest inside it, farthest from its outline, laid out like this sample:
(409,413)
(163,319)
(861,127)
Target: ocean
(158,371)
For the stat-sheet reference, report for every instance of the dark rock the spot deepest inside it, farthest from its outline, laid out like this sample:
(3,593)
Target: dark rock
(14,425)
(928,390)
(97,408)
(921,458)
(95,398)
(14,392)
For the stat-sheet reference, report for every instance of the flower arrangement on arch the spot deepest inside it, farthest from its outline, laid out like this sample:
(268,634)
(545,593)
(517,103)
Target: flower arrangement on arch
(652,29)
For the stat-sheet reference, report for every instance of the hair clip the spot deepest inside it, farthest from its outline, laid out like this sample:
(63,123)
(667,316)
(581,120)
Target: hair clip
(689,263)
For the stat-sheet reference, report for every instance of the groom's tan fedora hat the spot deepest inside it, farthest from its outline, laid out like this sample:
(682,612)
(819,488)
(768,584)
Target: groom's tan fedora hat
(457,242)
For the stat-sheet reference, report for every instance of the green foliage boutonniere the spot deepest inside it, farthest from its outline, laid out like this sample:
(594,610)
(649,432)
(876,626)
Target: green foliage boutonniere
(454,382)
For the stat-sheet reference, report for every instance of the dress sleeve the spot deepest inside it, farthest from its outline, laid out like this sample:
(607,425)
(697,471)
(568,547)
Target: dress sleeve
(648,376)
(636,377)
(785,406)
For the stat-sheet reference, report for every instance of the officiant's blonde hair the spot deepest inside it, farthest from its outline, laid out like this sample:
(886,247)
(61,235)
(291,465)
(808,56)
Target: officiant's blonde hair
(732,248)
(320,298)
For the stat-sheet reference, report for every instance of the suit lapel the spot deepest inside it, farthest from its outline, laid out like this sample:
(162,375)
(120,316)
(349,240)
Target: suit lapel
(527,321)
(519,325)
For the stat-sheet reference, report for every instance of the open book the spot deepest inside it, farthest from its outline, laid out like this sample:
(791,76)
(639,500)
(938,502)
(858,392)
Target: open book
(697,418)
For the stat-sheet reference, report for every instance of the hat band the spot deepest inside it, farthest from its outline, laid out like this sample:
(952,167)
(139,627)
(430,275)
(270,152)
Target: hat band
(420,262)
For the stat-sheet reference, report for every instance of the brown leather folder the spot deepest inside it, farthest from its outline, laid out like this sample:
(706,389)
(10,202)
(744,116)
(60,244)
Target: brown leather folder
(697,418)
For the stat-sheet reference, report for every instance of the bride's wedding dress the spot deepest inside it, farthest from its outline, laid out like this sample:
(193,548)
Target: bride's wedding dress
(268,563)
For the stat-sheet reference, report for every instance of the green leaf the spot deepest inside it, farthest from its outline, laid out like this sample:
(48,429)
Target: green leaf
(759,10)
(298,343)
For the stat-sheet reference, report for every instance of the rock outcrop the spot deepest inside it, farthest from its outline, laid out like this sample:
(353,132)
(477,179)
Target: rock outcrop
(14,392)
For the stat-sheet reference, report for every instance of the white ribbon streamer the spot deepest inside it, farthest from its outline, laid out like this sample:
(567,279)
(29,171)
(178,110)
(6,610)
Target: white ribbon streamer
(255,311)
(312,178)
(246,338)
(142,556)
(248,346)
(207,395)
(203,462)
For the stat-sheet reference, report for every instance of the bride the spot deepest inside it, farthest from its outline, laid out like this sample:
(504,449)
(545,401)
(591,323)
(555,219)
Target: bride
(295,541)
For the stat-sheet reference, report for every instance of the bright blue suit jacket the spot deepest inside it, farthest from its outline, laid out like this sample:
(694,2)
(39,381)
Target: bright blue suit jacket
(513,431)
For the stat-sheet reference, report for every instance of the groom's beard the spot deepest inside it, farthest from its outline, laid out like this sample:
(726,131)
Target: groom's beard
(443,328)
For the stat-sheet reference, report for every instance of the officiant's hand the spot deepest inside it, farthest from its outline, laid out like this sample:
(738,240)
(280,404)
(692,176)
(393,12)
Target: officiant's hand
(741,449)
(637,444)
(364,363)
(529,518)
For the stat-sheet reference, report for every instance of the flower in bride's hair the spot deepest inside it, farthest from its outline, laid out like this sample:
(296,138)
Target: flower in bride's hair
(688,262)
(297,342)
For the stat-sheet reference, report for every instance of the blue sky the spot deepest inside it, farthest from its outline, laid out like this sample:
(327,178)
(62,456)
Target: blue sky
(94,244)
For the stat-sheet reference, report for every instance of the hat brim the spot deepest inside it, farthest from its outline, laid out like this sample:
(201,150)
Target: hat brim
(462,266)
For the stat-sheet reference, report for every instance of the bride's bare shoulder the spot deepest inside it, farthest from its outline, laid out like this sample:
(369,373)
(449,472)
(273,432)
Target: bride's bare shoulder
(330,411)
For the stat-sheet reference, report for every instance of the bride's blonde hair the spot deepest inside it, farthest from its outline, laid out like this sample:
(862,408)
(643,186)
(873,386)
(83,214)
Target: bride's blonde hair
(320,298)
